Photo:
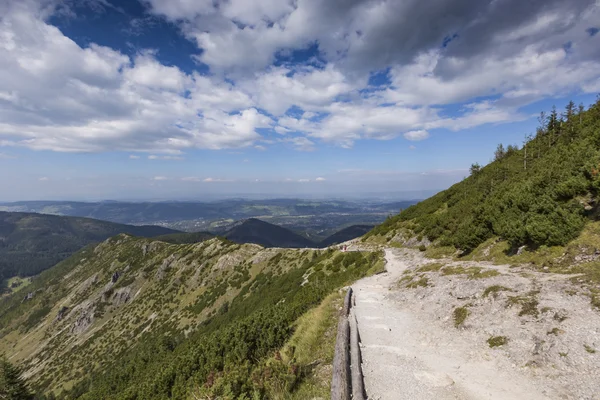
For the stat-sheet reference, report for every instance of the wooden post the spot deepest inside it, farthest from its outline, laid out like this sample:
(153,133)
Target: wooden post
(340,383)
(358,389)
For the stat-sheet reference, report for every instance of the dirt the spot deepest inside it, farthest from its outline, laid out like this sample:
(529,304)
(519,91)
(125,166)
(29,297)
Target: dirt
(412,349)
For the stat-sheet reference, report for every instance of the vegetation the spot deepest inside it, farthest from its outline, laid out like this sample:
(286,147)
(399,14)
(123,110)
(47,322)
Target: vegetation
(494,290)
(528,302)
(12,386)
(460,314)
(213,320)
(497,341)
(539,195)
(470,272)
(34,242)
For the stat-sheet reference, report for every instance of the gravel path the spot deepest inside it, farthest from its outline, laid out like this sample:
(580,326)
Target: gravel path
(400,363)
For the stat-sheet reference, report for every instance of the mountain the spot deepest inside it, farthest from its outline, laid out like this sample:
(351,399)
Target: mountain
(31,243)
(543,194)
(138,318)
(185,238)
(349,233)
(265,234)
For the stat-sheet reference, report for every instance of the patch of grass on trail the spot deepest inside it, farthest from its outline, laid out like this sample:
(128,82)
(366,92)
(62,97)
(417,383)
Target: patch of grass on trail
(470,272)
(497,341)
(494,290)
(460,314)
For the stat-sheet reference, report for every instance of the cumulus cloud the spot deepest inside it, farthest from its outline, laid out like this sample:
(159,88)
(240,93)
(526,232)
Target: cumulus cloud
(155,157)
(489,57)
(416,135)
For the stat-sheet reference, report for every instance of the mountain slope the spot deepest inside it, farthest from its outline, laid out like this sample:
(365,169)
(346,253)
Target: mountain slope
(31,243)
(146,319)
(343,235)
(265,234)
(540,195)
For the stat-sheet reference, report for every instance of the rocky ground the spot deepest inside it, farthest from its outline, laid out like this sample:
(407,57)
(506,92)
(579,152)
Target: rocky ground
(464,330)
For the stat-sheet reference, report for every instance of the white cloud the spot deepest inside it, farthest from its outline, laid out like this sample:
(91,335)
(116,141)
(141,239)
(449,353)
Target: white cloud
(155,157)
(216,180)
(411,147)
(191,179)
(304,180)
(320,179)
(4,156)
(134,157)
(416,135)
(160,178)
(44,179)
(56,95)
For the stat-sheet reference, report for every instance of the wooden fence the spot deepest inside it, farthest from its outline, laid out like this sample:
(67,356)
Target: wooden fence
(347,380)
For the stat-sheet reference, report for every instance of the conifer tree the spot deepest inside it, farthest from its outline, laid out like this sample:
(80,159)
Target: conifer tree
(12,386)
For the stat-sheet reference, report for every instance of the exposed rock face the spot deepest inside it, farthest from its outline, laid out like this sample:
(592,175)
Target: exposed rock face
(83,321)
(62,313)
(121,296)
(160,273)
(115,277)
(28,296)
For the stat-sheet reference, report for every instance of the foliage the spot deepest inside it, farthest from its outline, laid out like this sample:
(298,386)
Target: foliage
(12,386)
(35,242)
(246,313)
(496,341)
(460,314)
(532,196)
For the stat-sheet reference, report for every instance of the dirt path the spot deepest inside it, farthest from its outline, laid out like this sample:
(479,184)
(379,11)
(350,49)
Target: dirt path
(404,357)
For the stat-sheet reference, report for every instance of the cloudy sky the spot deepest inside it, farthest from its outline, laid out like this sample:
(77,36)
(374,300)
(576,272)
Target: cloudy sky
(168,99)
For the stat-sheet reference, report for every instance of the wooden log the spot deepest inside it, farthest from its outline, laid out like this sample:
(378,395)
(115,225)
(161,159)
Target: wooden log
(358,388)
(347,303)
(340,382)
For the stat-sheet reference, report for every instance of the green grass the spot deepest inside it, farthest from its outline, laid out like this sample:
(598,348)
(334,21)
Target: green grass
(470,272)
(554,331)
(460,314)
(528,302)
(422,282)
(430,267)
(16,283)
(497,341)
(494,290)
(589,349)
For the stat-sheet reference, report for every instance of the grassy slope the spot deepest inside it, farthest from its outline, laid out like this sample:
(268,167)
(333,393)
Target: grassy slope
(547,203)
(31,243)
(182,299)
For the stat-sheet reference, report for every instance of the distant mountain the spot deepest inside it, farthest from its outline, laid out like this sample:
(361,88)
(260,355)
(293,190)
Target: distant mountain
(31,243)
(185,238)
(349,233)
(265,234)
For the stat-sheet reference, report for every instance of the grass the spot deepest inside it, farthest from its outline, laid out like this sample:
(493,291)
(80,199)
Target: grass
(433,267)
(554,331)
(494,290)
(460,314)
(16,283)
(497,341)
(423,282)
(440,252)
(470,272)
(589,349)
(311,348)
(528,302)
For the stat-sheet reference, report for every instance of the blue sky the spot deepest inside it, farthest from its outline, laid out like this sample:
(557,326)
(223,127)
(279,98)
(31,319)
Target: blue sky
(180,99)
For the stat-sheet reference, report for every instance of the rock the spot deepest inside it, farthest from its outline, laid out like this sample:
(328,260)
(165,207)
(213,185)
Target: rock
(83,321)
(121,296)
(115,277)
(520,250)
(62,313)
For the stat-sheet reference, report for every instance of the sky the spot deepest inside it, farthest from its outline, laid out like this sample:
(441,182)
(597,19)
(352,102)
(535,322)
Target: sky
(189,99)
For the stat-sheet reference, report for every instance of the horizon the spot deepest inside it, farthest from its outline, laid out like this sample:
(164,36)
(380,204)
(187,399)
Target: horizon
(183,101)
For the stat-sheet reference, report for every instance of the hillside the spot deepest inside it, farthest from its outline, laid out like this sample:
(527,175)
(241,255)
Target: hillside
(31,243)
(265,234)
(144,319)
(542,194)
(343,235)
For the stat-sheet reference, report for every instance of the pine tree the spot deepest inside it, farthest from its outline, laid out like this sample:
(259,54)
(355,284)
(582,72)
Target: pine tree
(12,386)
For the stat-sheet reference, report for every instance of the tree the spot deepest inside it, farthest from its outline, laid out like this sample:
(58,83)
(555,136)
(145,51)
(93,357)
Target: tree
(12,386)
(499,153)
(475,168)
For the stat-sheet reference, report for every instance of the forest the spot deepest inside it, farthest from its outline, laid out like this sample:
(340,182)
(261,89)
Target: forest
(538,194)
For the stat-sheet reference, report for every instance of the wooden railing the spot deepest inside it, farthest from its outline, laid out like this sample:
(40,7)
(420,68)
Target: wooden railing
(347,380)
